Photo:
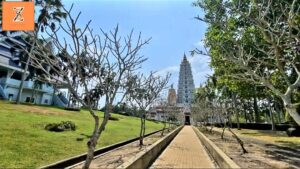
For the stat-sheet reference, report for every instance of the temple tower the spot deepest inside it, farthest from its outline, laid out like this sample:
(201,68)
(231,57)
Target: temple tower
(186,85)
(172,97)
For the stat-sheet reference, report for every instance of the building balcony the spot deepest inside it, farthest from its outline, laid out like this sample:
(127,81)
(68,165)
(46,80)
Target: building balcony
(10,82)
(27,85)
(47,88)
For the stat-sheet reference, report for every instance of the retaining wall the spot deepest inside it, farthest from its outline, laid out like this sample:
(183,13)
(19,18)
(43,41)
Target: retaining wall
(219,156)
(145,158)
(81,158)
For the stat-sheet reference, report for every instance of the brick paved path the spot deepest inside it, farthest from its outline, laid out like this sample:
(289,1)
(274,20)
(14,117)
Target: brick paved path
(185,151)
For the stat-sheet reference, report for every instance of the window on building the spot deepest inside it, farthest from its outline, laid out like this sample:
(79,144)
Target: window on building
(10,96)
(28,99)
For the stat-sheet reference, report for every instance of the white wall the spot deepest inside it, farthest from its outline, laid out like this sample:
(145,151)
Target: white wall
(10,90)
(48,97)
(39,96)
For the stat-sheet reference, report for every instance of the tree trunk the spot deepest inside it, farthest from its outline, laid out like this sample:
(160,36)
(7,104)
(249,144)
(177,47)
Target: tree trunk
(144,128)
(271,115)
(292,111)
(229,119)
(32,95)
(236,113)
(245,112)
(257,118)
(22,81)
(212,122)
(96,135)
(92,143)
(238,120)
(238,140)
(224,127)
(141,130)
(162,133)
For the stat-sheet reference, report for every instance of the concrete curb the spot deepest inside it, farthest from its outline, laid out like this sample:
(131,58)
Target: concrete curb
(145,158)
(219,156)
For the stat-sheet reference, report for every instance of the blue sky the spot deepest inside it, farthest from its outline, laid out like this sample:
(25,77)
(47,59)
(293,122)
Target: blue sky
(170,23)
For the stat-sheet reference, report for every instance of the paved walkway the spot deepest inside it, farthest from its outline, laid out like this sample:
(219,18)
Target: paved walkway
(185,151)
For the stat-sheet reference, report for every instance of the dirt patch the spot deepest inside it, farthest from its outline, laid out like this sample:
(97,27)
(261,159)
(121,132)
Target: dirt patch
(117,157)
(258,156)
(39,110)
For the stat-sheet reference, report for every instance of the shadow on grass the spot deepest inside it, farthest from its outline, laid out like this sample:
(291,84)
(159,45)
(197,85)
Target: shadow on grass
(253,134)
(282,153)
(292,145)
(85,135)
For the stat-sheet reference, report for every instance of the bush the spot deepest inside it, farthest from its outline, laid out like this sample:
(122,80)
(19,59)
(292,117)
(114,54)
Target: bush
(62,126)
(113,118)
(293,132)
(72,108)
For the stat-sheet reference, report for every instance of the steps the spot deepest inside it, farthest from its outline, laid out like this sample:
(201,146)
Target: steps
(58,102)
(63,99)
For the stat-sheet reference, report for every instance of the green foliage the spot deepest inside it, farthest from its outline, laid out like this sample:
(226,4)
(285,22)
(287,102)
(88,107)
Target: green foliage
(62,126)
(254,46)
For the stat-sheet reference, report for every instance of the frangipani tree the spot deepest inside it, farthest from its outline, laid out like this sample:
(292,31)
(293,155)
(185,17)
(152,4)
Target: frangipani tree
(143,93)
(101,65)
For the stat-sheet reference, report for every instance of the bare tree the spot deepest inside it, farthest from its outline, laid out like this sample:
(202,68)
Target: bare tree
(170,114)
(145,91)
(50,14)
(100,65)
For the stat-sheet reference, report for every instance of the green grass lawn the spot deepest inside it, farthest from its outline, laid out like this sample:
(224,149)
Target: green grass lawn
(25,144)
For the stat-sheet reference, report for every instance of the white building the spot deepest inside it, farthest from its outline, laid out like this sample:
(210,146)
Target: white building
(11,71)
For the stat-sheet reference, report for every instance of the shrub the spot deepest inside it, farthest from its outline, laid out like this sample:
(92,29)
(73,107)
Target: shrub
(113,118)
(62,126)
(72,108)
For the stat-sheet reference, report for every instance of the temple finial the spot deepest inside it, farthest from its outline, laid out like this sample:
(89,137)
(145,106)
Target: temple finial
(184,57)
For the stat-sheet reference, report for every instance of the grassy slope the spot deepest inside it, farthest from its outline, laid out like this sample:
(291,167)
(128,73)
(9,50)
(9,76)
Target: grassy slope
(25,144)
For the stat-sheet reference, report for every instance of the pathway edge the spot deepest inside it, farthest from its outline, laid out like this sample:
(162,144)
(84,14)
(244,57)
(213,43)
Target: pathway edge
(145,158)
(219,156)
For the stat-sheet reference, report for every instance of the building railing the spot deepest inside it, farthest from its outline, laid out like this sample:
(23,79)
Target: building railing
(26,84)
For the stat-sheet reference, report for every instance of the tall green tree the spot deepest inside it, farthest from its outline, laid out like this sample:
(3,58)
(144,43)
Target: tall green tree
(260,42)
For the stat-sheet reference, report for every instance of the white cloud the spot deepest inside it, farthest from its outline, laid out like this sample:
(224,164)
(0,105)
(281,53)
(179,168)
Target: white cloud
(170,69)
(200,68)
(199,44)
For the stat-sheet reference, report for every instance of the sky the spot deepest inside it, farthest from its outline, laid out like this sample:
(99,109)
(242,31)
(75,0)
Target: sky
(170,24)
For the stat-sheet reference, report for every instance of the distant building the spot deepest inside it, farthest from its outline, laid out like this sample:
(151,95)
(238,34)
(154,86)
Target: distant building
(179,107)
(172,97)
(156,113)
(11,71)
(186,85)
